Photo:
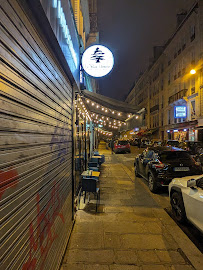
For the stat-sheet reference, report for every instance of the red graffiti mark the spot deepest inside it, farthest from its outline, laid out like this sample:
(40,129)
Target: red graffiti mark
(8,179)
(45,233)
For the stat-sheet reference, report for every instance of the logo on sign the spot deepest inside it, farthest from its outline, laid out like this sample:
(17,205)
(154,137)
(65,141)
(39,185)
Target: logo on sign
(180,111)
(97,61)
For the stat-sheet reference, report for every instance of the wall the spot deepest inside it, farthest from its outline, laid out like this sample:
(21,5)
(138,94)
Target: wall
(36,147)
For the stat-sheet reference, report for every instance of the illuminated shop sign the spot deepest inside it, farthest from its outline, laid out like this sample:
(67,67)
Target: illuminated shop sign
(97,61)
(180,111)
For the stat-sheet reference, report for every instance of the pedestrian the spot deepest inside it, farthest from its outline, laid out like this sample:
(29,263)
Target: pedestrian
(139,143)
(112,145)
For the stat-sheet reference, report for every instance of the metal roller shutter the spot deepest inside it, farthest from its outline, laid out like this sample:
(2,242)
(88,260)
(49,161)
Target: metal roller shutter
(35,147)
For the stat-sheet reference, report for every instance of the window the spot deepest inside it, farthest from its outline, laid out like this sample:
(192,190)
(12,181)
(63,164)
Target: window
(192,86)
(192,33)
(192,109)
(169,116)
(149,154)
(169,78)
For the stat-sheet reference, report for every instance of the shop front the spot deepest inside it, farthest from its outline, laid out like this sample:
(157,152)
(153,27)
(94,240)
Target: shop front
(185,131)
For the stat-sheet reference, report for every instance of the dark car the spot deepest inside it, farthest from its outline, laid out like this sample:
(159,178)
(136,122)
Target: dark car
(121,146)
(159,165)
(171,143)
(145,143)
(135,142)
(192,147)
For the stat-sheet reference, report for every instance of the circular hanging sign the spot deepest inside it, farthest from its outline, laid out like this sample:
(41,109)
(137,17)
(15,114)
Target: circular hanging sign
(97,61)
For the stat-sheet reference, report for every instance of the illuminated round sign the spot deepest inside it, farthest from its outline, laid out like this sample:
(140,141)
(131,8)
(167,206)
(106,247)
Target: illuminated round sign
(97,61)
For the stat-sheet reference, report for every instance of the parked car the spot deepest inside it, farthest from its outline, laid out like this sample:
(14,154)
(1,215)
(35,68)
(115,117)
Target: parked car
(135,142)
(121,146)
(171,143)
(193,148)
(145,143)
(156,143)
(186,198)
(159,165)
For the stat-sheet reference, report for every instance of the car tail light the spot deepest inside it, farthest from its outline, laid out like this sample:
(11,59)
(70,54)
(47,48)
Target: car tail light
(160,165)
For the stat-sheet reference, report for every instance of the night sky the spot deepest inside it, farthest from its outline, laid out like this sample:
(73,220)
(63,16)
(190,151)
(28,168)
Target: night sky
(130,29)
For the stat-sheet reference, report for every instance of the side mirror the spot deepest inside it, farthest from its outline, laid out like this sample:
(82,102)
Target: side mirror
(191,183)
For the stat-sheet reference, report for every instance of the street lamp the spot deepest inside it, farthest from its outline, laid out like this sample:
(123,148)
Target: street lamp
(192,71)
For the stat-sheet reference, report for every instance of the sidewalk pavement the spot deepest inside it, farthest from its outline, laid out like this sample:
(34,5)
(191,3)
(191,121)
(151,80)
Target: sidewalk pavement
(129,232)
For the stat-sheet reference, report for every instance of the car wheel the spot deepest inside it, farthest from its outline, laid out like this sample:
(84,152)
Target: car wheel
(152,183)
(178,208)
(136,172)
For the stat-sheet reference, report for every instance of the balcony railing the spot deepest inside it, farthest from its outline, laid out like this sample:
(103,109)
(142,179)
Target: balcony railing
(177,96)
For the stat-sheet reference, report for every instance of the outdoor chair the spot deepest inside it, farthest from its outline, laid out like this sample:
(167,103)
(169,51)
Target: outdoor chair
(90,185)
(93,164)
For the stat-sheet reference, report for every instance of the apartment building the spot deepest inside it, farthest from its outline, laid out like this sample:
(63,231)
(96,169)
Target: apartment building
(171,88)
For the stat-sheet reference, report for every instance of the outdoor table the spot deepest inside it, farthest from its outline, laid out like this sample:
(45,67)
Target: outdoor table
(90,173)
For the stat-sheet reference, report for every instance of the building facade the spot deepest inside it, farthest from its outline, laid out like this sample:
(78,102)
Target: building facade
(171,94)
(40,54)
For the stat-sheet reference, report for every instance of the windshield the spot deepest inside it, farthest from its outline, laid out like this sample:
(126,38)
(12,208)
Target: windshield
(173,143)
(122,142)
(169,156)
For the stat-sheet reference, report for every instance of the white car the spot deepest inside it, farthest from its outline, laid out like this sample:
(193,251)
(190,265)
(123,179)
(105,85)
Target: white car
(186,198)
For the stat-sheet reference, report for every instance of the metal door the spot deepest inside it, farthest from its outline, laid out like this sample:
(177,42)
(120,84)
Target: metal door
(36,147)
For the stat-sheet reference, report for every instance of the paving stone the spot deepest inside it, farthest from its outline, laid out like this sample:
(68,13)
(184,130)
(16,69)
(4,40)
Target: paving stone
(169,241)
(88,227)
(113,209)
(181,267)
(75,266)
(86,240)
(164,256)
(123,267)
(154,227)
(112,240)
(135,217)
(96,267)
(124,227)
(142,241)
(125,257)
(99,256)
(148,256)
(154,267)
(176,257)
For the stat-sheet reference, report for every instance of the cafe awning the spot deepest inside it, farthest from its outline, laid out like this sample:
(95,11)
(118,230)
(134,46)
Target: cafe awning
(110,102)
